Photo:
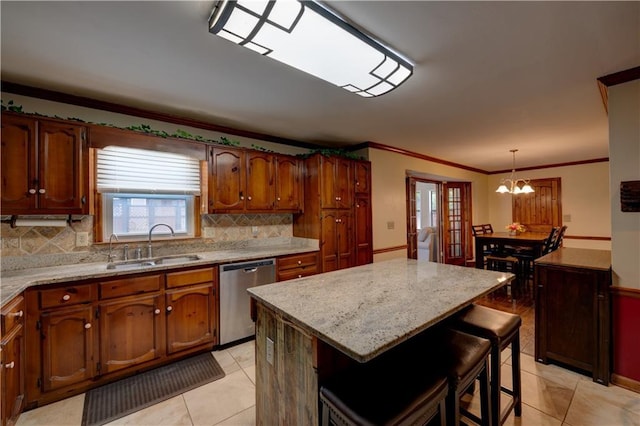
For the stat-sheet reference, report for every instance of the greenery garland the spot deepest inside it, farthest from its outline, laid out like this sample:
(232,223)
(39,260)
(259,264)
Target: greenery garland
(181,134)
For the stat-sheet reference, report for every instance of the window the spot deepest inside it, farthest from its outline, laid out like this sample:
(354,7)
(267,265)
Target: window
(141,188)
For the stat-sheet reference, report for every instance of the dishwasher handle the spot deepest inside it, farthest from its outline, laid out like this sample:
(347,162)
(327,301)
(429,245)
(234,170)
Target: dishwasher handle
(250,270)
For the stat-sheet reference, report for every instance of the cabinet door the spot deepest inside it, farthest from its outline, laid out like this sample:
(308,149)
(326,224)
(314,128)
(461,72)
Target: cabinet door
(191,315)
(61,171)
(288,183)
(343,183)
(362,173)
(568,320)
(227,183)
(328,196)
(12,376)
(67,347)
(131,332)
(362,230)
(344,241)
(19,184)
(260,177)
(329,241)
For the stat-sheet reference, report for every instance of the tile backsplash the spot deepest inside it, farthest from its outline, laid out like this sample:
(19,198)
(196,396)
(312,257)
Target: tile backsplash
(23,244)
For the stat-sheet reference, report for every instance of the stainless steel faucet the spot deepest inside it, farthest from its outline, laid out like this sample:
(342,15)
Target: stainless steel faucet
(111,255)
(149,250)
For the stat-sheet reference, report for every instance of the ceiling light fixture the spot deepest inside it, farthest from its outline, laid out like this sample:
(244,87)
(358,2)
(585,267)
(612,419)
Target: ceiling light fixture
(513,182)
(308,36)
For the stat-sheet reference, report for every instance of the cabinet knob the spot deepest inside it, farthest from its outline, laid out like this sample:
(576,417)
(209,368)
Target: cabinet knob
(299,262)
(18,314)
(157,312)
(10,365)
(357,183)
(249,198)
(41,190)
(242,197)
(32,191)
(278,198)
(87,325)
(169,308)
(338,198)
(66,297)
(299,275)
(357,205)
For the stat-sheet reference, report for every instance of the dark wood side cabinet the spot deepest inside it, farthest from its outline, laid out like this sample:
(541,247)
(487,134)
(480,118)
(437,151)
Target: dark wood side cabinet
(12,361)
(573,310)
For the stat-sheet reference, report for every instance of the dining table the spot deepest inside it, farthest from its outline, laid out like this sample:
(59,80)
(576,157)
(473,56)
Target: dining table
(532,240)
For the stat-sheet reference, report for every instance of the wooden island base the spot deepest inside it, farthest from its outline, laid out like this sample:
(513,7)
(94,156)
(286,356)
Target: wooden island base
(287,388)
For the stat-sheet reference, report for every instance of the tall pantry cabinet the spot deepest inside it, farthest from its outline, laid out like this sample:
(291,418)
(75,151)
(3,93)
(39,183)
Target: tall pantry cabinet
(332,214)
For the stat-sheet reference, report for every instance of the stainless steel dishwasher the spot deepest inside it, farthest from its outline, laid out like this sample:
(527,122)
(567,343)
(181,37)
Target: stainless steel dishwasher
(235,279)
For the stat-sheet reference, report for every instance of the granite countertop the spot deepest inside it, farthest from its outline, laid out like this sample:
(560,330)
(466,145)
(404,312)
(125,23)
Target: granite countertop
(366,310)
(578,258)
(14,282)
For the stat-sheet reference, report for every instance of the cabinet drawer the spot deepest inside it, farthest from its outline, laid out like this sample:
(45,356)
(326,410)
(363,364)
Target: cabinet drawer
(129,286)
(195,276)
(65,296)
(302,260)
(12,315)
(290,274)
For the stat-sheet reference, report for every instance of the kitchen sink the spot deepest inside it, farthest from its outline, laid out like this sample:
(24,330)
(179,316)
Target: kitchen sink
(146,263)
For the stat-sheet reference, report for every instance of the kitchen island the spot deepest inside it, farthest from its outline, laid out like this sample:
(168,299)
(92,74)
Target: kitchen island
(311,328)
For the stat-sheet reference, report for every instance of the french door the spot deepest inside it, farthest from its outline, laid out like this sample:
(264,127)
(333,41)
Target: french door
(454,221)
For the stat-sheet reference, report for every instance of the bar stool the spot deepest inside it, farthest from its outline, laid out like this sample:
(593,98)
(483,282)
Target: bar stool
(502,329)
(507,263)
(466,357)
(392,390)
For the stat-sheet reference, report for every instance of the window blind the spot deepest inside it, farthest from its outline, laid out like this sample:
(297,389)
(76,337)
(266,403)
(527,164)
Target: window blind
(132,170)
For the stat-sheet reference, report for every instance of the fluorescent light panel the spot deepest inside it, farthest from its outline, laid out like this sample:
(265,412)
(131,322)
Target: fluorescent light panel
(313,39)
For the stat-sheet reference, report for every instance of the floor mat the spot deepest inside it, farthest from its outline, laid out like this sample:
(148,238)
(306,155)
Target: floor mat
(118,399)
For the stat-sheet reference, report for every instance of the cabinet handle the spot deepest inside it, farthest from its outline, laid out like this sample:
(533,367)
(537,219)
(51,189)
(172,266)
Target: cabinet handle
(169,308)
(18,314)
(157,312)
(10,365)
(66,297)
(41,190)
(32,191)
(87,325)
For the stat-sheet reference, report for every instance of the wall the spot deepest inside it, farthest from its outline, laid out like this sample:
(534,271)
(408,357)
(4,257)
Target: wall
(585,197)
(388,196)
(624,153)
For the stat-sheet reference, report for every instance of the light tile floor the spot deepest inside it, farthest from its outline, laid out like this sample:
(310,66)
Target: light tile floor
(551,396)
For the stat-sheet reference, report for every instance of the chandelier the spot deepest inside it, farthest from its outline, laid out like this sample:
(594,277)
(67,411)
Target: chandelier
(312,38)
(512,185)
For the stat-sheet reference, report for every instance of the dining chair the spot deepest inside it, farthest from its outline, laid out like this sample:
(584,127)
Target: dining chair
(557,243)
(487,249)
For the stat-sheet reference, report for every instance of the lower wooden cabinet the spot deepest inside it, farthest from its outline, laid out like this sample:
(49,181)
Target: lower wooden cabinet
(85,334)
(67,346)
(12,361)
(297,266)
(573,318)
(131,332)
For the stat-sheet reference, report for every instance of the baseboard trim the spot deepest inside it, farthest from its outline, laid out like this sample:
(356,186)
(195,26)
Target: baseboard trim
(625,382)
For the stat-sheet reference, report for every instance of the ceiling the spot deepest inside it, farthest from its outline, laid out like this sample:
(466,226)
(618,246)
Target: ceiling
(488,76)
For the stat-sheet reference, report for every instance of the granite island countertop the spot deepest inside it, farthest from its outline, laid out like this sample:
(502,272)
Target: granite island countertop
(578,258)
(364,311)
(12,283)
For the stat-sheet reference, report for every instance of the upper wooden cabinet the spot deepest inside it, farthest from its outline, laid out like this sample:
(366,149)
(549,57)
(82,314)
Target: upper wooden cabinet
(44,166)
(336,182)
(288,186)
(253,181)
(362,177)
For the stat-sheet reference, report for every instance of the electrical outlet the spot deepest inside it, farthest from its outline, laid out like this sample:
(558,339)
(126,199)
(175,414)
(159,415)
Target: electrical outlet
(269,351)
(82,239)
(391,225)
(254,231)
(566,218)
